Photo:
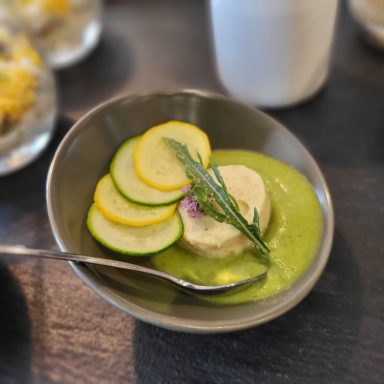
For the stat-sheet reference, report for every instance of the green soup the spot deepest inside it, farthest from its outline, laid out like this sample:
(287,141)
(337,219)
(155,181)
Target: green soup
(293,236)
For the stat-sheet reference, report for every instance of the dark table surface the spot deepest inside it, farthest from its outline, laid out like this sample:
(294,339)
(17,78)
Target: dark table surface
(53,329)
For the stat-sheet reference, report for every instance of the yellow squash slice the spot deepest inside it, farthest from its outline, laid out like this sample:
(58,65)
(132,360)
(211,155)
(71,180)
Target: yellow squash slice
(118,209)
(156,163)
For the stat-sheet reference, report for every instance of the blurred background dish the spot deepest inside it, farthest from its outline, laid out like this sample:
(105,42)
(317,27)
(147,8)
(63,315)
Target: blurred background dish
(27,97)
(67,29)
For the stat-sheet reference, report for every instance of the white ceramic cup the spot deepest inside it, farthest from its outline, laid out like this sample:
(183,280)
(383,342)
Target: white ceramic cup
(370,16)
(273,53)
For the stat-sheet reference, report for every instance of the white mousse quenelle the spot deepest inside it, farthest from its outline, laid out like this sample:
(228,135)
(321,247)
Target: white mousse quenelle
(205,236)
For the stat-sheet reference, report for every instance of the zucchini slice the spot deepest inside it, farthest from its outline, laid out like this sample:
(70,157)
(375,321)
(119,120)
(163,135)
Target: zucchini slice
(130,186)
(117,208)
(157,164)
(134,241)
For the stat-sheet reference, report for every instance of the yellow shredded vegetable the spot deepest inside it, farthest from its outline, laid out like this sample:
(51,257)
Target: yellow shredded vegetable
(19,67)
(24,51)
(61,7)
(53,7)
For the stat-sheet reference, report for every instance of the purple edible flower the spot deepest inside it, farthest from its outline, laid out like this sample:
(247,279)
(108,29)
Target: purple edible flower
(190,204)
(192,207)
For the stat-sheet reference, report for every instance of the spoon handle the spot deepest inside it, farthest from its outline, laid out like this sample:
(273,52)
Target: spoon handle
(58,255)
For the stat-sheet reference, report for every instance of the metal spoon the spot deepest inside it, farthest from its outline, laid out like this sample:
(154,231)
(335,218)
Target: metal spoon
(183,284)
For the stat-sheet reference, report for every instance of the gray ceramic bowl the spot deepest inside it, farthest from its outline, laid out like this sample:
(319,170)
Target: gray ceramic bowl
(83,157)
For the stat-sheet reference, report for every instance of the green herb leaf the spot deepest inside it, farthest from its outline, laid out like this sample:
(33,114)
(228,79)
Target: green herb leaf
(210,195)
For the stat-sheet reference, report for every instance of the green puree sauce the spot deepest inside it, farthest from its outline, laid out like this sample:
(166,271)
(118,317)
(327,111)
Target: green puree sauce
(293,235)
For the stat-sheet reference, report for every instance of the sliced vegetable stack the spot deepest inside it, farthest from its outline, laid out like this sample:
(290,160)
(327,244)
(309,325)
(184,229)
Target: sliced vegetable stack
(134,210)
(131,186)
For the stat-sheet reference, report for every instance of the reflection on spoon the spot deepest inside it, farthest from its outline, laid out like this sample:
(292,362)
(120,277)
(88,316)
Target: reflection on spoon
(67,29)
(180,283)
(27,96)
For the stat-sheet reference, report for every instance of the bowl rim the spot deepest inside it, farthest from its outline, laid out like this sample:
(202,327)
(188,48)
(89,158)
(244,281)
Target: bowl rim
(169,321)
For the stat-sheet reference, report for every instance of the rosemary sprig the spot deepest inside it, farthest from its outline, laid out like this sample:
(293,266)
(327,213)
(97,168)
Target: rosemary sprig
(208,193)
